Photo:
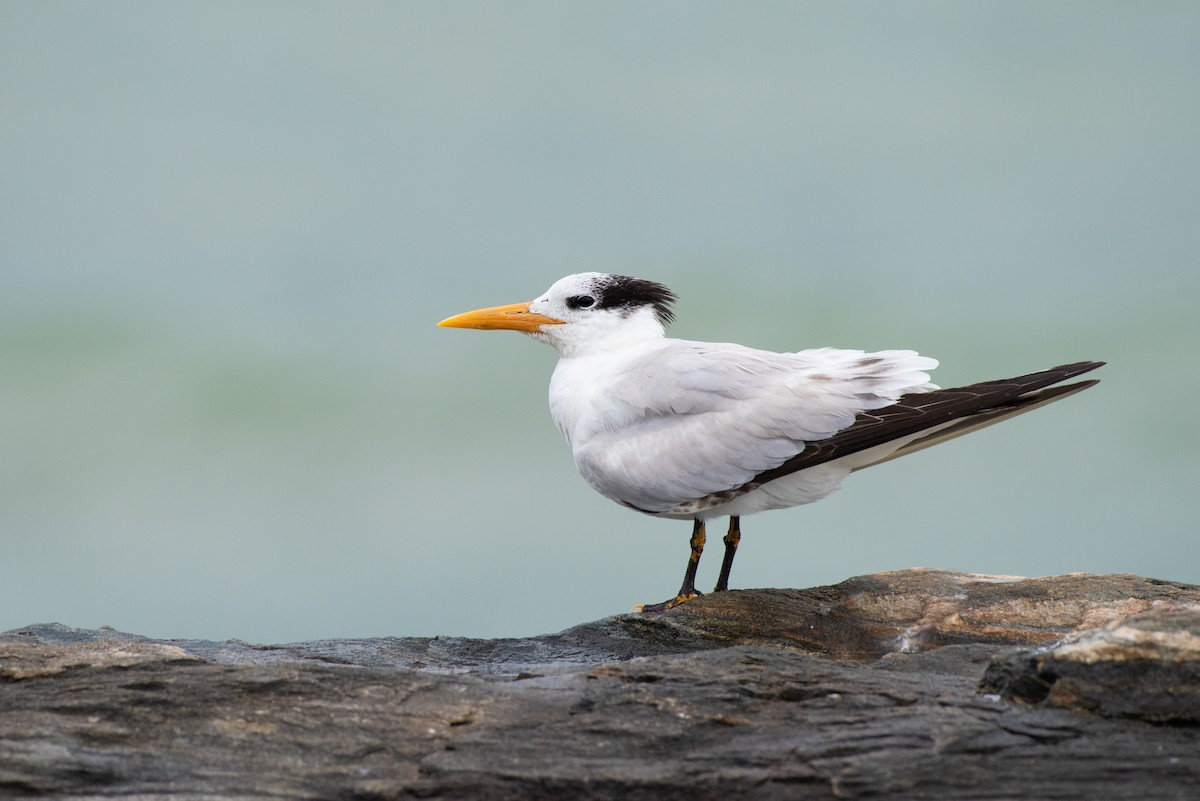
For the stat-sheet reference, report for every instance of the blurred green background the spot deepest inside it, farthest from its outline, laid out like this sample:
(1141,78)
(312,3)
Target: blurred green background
(227,230)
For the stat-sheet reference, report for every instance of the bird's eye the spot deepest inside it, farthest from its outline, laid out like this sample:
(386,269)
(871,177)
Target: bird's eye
(580,301)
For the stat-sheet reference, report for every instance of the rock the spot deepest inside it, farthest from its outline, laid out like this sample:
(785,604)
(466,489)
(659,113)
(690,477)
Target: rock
(28,660)
(1144,666)
(866,688)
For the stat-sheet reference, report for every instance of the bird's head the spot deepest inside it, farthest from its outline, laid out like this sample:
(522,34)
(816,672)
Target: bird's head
(583,312)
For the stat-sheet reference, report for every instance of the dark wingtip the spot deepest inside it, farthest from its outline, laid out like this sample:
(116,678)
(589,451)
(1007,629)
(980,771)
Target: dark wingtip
(1031,382)
(1076,368)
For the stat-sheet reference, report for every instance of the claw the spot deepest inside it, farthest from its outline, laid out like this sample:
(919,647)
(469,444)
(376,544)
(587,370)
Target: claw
(681,598)
(688,591)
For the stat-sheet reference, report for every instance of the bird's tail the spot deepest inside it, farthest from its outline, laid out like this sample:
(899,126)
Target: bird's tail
(983,419)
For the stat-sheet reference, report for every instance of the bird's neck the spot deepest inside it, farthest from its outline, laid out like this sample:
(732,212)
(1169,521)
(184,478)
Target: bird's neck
(583,340)
(580,401)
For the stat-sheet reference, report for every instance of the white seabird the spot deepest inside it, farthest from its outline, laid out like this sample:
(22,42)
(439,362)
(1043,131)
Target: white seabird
(698,430)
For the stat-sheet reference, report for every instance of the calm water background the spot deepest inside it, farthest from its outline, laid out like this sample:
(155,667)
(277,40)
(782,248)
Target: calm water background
(228,229)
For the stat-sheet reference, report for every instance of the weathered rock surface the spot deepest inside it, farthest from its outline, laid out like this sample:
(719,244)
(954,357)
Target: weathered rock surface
(869,687)
(1145,666)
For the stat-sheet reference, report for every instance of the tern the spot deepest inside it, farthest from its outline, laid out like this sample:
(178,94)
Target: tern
(700,430)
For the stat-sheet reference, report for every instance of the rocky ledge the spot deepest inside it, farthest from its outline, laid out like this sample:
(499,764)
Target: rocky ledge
(912,684)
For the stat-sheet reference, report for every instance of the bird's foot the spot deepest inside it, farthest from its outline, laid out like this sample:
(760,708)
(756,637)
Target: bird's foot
(681,598)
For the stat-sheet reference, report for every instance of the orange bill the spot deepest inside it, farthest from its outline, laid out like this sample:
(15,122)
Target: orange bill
(515,317)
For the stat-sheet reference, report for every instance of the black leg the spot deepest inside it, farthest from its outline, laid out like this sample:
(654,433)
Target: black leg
(731,545)
(688,591)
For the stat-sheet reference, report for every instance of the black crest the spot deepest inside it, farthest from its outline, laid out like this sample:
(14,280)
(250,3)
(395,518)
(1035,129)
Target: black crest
(625,292)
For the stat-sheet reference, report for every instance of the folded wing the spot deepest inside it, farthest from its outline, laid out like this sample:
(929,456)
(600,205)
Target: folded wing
(686,419)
